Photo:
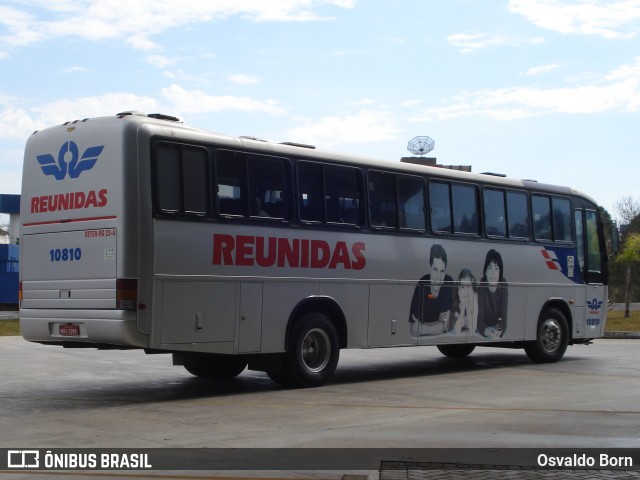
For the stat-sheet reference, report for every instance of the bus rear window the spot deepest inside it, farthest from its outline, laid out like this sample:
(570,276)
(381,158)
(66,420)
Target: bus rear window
(181,179)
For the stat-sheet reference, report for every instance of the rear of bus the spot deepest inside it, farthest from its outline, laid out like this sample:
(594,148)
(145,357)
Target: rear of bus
(78,265)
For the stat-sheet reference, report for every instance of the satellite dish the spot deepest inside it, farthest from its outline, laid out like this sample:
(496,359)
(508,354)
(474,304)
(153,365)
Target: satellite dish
(421,145)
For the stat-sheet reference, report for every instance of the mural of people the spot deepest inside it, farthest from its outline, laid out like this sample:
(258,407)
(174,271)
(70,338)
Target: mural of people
(464,313)
(432,299)
(493,297)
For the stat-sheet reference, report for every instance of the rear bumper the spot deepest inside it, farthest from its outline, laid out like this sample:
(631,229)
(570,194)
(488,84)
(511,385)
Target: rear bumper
(102,327)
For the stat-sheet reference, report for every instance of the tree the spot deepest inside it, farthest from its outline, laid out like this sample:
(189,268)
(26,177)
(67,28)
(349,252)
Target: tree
(627,208)
(629,255)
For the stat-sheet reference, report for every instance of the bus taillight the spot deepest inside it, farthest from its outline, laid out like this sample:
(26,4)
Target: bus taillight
(126,293)
(20,294)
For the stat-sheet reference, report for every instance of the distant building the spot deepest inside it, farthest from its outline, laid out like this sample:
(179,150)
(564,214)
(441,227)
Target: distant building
(10,205)
(432,162)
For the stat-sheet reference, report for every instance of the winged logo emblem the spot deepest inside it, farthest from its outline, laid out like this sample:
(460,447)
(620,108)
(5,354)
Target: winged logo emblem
(69,161)
(594,304)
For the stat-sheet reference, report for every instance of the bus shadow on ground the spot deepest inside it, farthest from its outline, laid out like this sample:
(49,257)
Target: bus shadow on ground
(98,393)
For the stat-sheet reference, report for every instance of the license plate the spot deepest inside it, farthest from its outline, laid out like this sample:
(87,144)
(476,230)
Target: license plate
(70,330)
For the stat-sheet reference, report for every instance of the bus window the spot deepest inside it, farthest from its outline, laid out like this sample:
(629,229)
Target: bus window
(411,203)
(194,180)
(267,186)
(231,183)
(594,253)
(168,173)
(342,195)
(580,239)
(440,207)
(561,219)
(518,215)
(181,173)
(382,200)
(494,213)
(465,209)
(541,208)
(311,191)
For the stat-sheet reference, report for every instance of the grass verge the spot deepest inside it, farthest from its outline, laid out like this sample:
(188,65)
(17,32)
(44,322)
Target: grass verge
(9,327)
(617,323)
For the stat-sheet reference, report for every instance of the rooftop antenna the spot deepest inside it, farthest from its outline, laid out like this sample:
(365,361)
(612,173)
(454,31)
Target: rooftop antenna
(421,145)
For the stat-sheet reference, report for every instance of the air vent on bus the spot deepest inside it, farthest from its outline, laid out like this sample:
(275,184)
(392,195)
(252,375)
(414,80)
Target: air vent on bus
(300,145)
(162,116)
(493,174)
(255,139)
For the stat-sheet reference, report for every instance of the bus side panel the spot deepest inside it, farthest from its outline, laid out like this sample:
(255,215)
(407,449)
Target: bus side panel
(198,312)
(353,300)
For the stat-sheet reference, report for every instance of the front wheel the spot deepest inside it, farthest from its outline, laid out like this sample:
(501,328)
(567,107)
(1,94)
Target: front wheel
(313,353)
(456,351)
(552,338)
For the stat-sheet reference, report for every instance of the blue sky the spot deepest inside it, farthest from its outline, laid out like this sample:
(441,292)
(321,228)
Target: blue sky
(538,89)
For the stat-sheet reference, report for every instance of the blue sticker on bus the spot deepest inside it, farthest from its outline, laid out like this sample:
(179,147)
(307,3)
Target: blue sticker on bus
(75,166)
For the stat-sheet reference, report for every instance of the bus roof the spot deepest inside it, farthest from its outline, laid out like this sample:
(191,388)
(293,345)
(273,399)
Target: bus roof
(161,124)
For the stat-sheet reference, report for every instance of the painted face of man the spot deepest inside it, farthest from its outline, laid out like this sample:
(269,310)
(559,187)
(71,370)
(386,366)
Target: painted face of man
(437,272)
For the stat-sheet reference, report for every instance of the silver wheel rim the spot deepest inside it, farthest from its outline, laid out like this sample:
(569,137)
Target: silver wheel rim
(315,350)
(551,335)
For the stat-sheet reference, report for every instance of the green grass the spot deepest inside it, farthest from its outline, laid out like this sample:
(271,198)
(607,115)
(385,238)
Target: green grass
(9,327)
(615,323)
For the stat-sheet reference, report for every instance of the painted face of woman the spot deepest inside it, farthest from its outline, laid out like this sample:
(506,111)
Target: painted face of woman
(493,274)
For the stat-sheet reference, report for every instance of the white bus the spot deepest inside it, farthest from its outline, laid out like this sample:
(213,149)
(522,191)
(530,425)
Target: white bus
(141,232)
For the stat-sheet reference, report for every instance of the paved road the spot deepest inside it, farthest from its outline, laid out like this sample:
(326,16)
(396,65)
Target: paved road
(386,398)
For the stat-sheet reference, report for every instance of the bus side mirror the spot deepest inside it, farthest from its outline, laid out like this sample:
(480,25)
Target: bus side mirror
(615,240)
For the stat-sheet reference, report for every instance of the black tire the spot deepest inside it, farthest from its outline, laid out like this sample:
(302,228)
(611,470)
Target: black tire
(215,367)
(552,338)
(312,355)
(456,351)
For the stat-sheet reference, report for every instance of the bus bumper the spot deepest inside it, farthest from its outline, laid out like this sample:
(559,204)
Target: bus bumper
(99,328)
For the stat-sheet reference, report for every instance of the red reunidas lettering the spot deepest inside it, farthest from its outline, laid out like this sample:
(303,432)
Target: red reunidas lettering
(248,251)
(69,201)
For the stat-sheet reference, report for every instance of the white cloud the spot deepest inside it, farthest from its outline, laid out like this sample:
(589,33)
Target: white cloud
(608,19)
(541,69)
(364,126)
(242,79)
(137,21)
(75,69)
(197,101)
(617,92)
(162,61)
(469,42)
(17,122)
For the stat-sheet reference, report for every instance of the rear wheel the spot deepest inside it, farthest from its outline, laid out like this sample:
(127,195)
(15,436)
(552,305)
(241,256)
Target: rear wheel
(552,338)
(216,367)
(456,351)
(312,355)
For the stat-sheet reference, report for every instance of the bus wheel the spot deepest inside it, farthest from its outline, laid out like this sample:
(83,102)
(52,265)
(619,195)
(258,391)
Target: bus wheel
(456,351)
(215,367)
(314,350)
(552,338)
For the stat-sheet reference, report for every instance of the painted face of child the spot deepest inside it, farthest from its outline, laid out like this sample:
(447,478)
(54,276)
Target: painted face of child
(464,290)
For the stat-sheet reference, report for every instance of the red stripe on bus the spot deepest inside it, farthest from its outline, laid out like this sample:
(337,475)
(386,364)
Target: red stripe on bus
(71,220)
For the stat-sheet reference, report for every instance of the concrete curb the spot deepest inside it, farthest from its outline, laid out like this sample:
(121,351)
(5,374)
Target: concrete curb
(621,335)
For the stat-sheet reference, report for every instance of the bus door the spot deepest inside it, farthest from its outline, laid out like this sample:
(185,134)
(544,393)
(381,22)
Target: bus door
(591,257)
